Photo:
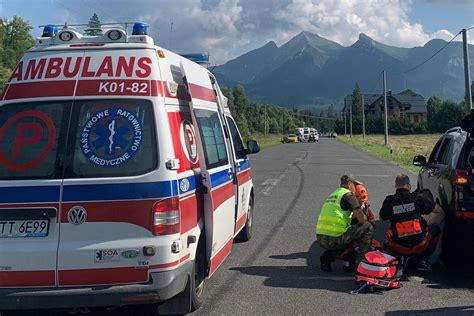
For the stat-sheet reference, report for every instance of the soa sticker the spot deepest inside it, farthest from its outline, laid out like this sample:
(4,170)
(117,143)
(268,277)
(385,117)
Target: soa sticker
(111,137)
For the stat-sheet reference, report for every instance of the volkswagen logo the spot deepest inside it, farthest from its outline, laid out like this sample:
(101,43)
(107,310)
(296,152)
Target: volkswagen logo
(77,215)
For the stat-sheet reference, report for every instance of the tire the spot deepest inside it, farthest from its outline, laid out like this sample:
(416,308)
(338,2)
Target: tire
(455,244)
(246,233)
(197,279)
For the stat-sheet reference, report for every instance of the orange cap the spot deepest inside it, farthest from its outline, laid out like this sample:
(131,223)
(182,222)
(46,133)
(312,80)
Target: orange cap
(361,193)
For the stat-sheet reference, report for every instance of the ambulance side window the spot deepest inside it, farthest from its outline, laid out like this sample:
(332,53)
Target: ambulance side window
(210,128)
(236,140)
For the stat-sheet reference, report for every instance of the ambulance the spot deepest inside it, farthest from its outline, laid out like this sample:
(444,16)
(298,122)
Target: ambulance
(123,177)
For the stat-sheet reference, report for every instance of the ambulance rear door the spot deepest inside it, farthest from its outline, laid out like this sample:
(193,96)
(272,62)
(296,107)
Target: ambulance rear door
(32,151)
(217,167)
(110,181)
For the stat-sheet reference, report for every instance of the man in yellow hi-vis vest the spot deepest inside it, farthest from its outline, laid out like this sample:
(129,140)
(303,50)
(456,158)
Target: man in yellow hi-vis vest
(334,230)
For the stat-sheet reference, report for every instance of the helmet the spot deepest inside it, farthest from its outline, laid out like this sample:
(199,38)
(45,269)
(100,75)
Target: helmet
(361,193)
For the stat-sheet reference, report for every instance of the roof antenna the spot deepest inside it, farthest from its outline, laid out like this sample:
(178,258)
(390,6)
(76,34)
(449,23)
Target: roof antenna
(171,33)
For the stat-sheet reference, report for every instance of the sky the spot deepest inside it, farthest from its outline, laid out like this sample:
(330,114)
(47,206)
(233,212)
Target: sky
(229,28)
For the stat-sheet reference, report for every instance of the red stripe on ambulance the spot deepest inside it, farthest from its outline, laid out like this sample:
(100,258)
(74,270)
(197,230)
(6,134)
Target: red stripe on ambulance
(109,275)
(222,194)
(202,93)
(40,89)
(27,278)
(220,256)
(240,222)
(244,176)
(191,209)
(133,212)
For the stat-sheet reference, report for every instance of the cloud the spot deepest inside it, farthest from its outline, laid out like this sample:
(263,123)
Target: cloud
(229,28)
(342,21)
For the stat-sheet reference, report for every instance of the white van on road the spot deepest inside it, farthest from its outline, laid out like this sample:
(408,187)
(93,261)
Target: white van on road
(123,176)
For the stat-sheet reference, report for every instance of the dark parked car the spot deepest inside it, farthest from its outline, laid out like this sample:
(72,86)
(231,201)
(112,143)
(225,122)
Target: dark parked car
(448,174)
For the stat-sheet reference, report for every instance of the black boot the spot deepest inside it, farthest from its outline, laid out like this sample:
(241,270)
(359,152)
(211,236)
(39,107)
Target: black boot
(350,261)
(326,258)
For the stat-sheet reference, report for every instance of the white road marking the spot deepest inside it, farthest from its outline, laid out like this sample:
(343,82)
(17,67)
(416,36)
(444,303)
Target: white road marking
(269,184)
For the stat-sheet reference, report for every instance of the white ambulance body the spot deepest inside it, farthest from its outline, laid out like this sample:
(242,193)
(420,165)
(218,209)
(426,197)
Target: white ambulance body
(123,177)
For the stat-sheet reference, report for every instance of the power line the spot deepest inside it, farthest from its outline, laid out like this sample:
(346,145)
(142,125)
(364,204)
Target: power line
(315,116)
(375,83)
(437,52)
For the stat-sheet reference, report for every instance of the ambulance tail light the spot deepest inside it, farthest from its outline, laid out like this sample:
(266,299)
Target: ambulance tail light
(461,177)
(166,217)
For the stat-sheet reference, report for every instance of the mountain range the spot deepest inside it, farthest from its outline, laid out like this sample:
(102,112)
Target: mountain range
(311,71)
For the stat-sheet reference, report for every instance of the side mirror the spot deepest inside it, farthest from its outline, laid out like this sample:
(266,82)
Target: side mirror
(419,161)
(252,147)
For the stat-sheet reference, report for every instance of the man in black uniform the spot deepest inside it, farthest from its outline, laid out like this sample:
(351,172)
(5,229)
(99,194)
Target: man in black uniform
(409,233)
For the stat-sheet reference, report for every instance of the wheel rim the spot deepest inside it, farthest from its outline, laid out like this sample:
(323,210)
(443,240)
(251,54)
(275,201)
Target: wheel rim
(250,216)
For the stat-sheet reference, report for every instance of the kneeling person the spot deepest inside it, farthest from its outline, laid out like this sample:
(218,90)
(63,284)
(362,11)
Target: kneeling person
(409,234)
(334,231)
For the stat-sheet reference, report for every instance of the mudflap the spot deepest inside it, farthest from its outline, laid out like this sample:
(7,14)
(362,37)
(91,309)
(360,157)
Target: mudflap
(179,304)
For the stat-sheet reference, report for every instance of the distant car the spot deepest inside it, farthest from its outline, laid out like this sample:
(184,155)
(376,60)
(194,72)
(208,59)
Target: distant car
(334,135)
(448,174)
(291,138)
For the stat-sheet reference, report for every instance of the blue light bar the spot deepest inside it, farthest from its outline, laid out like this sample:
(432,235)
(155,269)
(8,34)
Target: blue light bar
(50,30)
(200,58)
(140,29)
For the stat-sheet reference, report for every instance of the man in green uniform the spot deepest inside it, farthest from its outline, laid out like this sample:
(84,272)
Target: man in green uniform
(334,231)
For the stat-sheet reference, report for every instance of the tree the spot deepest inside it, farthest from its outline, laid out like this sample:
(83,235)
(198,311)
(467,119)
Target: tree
(356,103)
(93,27)
(15,39)
(450,115)
(433,106)
(408,92)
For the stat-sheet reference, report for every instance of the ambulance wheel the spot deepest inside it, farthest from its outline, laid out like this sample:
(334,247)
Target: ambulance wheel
(197,279)
(246,233)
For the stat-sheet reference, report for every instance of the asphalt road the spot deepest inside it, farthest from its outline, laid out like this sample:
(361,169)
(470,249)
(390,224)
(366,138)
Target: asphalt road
(277,272)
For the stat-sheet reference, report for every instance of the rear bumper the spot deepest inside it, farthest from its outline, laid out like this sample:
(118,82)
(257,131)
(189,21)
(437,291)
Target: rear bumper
(161,286)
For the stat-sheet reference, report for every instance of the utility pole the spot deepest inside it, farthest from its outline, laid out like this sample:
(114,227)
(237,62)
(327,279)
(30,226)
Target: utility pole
(385,107)
(467,78)
(345,121)
(350,118)
(265,126)
(363,116)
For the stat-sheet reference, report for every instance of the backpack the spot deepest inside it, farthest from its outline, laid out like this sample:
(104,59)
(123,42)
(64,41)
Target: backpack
(377,270)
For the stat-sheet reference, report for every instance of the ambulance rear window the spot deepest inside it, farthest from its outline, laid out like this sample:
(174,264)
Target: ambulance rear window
(32,137)
(113,138)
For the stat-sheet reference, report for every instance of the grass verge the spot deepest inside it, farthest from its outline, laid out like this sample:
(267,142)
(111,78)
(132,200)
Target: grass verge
(401,149)
(268,141)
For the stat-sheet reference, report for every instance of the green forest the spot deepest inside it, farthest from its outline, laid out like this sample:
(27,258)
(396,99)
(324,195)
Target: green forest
(257,118)
(15,39)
